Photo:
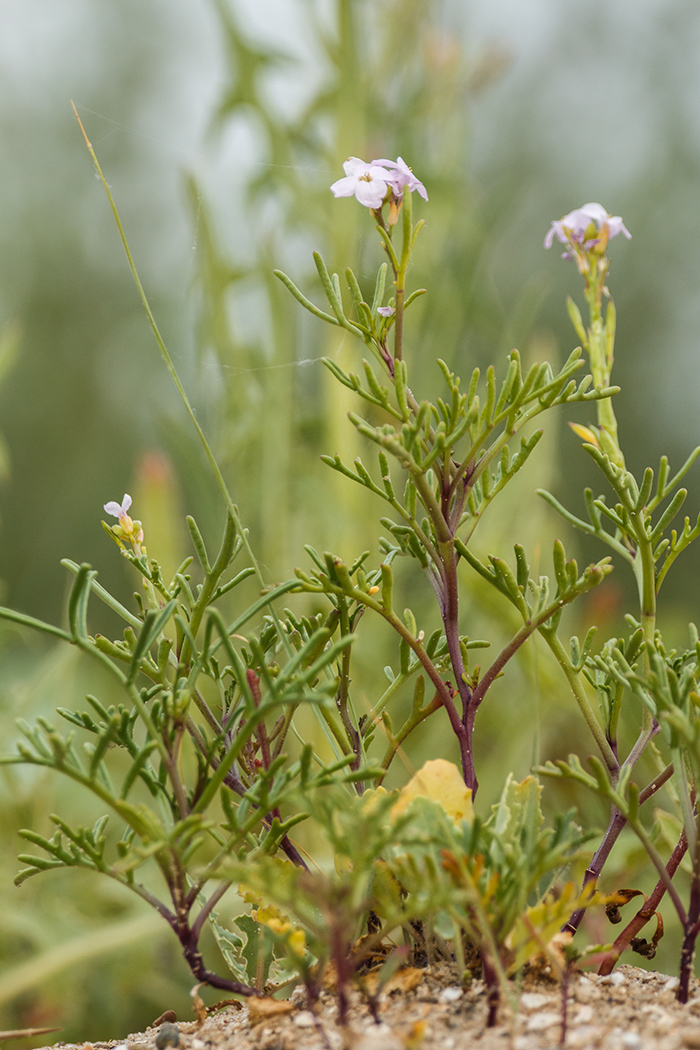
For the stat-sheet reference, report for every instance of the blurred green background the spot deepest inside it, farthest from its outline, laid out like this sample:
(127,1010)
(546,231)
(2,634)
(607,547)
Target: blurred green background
(219,125)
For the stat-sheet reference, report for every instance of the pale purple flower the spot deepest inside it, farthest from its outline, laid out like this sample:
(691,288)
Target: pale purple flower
(370,183)
(386,311)
(126,529)
(119,510)
(402,176)
(577,224)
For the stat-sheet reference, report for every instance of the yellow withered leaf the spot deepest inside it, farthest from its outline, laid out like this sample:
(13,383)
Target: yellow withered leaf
(442,782)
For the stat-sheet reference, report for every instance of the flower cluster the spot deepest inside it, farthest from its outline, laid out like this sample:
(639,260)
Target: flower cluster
(377,181)
(588,226)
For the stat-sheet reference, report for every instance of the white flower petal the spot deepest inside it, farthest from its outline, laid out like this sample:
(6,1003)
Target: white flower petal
(344,187)
(371,194)
(617,226)
(596,212)
(355,166)
(117,510)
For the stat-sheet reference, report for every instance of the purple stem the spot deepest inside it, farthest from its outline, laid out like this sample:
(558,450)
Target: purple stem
(493,990)
(690,929)
(615,826)
(189,935)
(463,726)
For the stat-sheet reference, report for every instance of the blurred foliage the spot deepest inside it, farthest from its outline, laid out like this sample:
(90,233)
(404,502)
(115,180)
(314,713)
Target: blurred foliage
(87,412)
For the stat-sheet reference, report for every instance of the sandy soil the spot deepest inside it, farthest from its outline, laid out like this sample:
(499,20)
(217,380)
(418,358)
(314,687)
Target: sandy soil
(631,1009)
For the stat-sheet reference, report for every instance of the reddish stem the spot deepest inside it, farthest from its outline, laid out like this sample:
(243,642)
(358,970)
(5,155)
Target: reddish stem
(645,913)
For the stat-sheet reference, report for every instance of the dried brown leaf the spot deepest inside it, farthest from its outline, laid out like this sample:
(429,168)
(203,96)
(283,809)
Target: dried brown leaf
(263,1008)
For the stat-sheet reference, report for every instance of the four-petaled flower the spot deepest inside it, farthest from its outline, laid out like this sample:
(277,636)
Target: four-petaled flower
(386,311)
(586,226)
(370,183)
(127,529)
(373,183)
(403,177)
(119,510)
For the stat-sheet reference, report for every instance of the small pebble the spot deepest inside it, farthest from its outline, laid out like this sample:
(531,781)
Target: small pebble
(671,984)
(632,1041)
(615,979)
(305,1019)
(168,1035)
(451,995)
(585,991)
(584,1014)
(540,1022)
(534,1001)
(198,1044)
(584,1035)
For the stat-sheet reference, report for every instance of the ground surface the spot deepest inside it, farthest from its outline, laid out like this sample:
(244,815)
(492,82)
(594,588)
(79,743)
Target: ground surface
(631,1009)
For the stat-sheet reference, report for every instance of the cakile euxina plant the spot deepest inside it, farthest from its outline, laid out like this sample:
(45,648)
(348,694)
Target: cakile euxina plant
(452,458)
(200,695)
(664,682)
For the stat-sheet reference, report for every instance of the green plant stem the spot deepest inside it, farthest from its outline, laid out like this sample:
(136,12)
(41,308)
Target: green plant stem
(34,624)
(386,696)
(209,584)
(573,678)
(401,276)
(645,573)
(354,738)
(687,803)
(169,760)
(414,719)
(601,365)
